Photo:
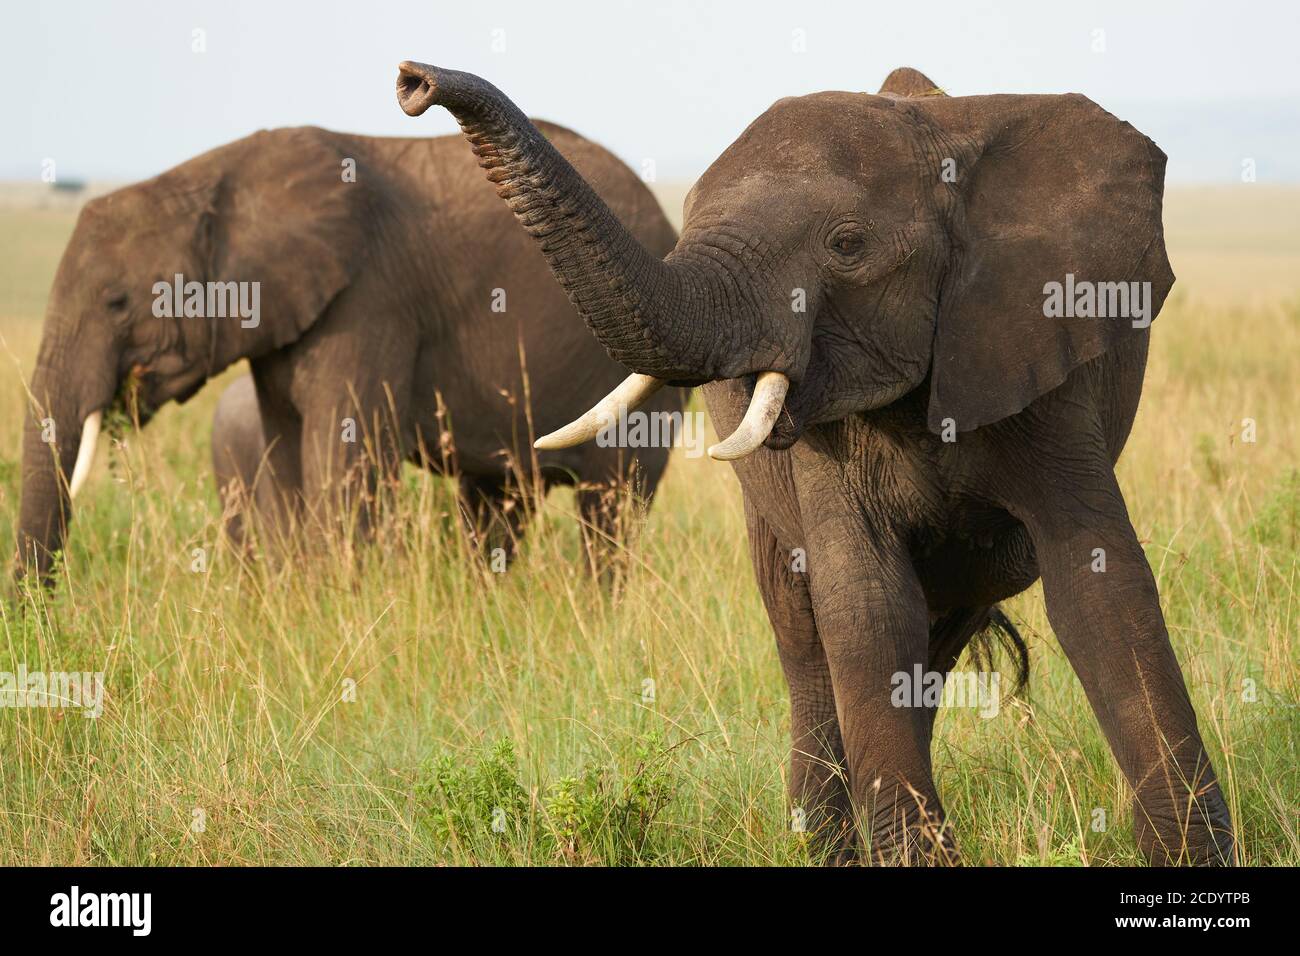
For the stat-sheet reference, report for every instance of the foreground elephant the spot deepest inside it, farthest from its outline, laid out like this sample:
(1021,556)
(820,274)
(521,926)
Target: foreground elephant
(381,293)
(862,280)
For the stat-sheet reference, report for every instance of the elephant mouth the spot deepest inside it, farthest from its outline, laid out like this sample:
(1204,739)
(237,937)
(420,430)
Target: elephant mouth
(129,398)
(131,405)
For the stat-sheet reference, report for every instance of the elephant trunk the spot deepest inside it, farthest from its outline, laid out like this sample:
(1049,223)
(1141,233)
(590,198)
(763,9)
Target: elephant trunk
(59,436)
(638,306)
(664,319)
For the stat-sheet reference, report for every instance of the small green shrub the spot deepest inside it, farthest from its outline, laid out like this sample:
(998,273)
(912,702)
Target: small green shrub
(604,814)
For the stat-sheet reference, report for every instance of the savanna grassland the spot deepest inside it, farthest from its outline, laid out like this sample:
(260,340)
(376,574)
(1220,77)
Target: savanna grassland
(388,707)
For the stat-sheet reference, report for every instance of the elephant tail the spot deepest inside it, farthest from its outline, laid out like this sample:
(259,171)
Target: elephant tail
(1000,632)
(986,630)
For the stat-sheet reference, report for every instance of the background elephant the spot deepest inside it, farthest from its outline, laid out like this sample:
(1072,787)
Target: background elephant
(244,483)
(861,280)
(401,314)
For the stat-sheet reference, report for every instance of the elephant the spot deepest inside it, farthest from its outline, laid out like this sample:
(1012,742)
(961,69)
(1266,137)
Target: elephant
(244,483)
(866,287)
(387,304)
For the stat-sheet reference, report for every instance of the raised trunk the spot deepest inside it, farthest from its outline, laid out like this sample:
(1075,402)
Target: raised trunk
(645,312)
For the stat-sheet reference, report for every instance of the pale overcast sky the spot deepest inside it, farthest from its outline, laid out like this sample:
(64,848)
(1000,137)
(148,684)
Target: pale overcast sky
(115,90)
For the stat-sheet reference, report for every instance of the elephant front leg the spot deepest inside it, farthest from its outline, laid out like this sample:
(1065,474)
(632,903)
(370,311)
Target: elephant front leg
(819,795)
(1103,605)
(874,630)
(873,624)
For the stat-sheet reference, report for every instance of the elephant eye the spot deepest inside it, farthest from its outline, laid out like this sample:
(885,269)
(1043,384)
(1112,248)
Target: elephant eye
(849,244)
(117,302)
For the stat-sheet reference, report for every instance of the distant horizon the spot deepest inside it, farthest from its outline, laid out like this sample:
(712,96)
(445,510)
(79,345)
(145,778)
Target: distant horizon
(122,93)
(1206,142)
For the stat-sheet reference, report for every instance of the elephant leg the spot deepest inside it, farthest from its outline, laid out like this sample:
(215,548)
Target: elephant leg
(493,515)
(350,456)
(602,513)
(613,490)
(874,626)
(350,381)
(277,489)
(1112,630)
(874,623)
(256,461)
(602,506)
(819,795)
(608,511)
(277,495)
(235,461)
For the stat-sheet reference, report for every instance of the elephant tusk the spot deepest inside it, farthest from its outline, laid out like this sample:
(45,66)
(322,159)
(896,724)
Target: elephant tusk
(86,453)
(764,409)
(631,392)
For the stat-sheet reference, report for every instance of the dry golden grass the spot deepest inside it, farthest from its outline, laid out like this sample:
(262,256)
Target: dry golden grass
(225,688)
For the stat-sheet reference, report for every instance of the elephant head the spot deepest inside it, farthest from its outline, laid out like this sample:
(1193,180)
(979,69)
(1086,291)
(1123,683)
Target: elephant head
(848,249)
(270,211)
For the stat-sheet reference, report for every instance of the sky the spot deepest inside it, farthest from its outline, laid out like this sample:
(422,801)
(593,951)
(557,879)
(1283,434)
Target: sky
(121,90)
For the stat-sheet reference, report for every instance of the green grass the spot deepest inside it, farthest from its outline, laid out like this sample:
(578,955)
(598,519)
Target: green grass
(386,708)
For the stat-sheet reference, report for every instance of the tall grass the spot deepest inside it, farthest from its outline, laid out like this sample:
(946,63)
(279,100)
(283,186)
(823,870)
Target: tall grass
(391,705)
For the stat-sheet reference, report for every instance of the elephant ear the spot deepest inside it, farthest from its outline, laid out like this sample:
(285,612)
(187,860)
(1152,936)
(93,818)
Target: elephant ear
(907,82)
(1050,189)
(289,219)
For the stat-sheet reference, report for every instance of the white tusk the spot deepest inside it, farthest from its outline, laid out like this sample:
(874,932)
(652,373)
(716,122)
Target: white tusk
(631,392)
(764,408)
(86,453)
